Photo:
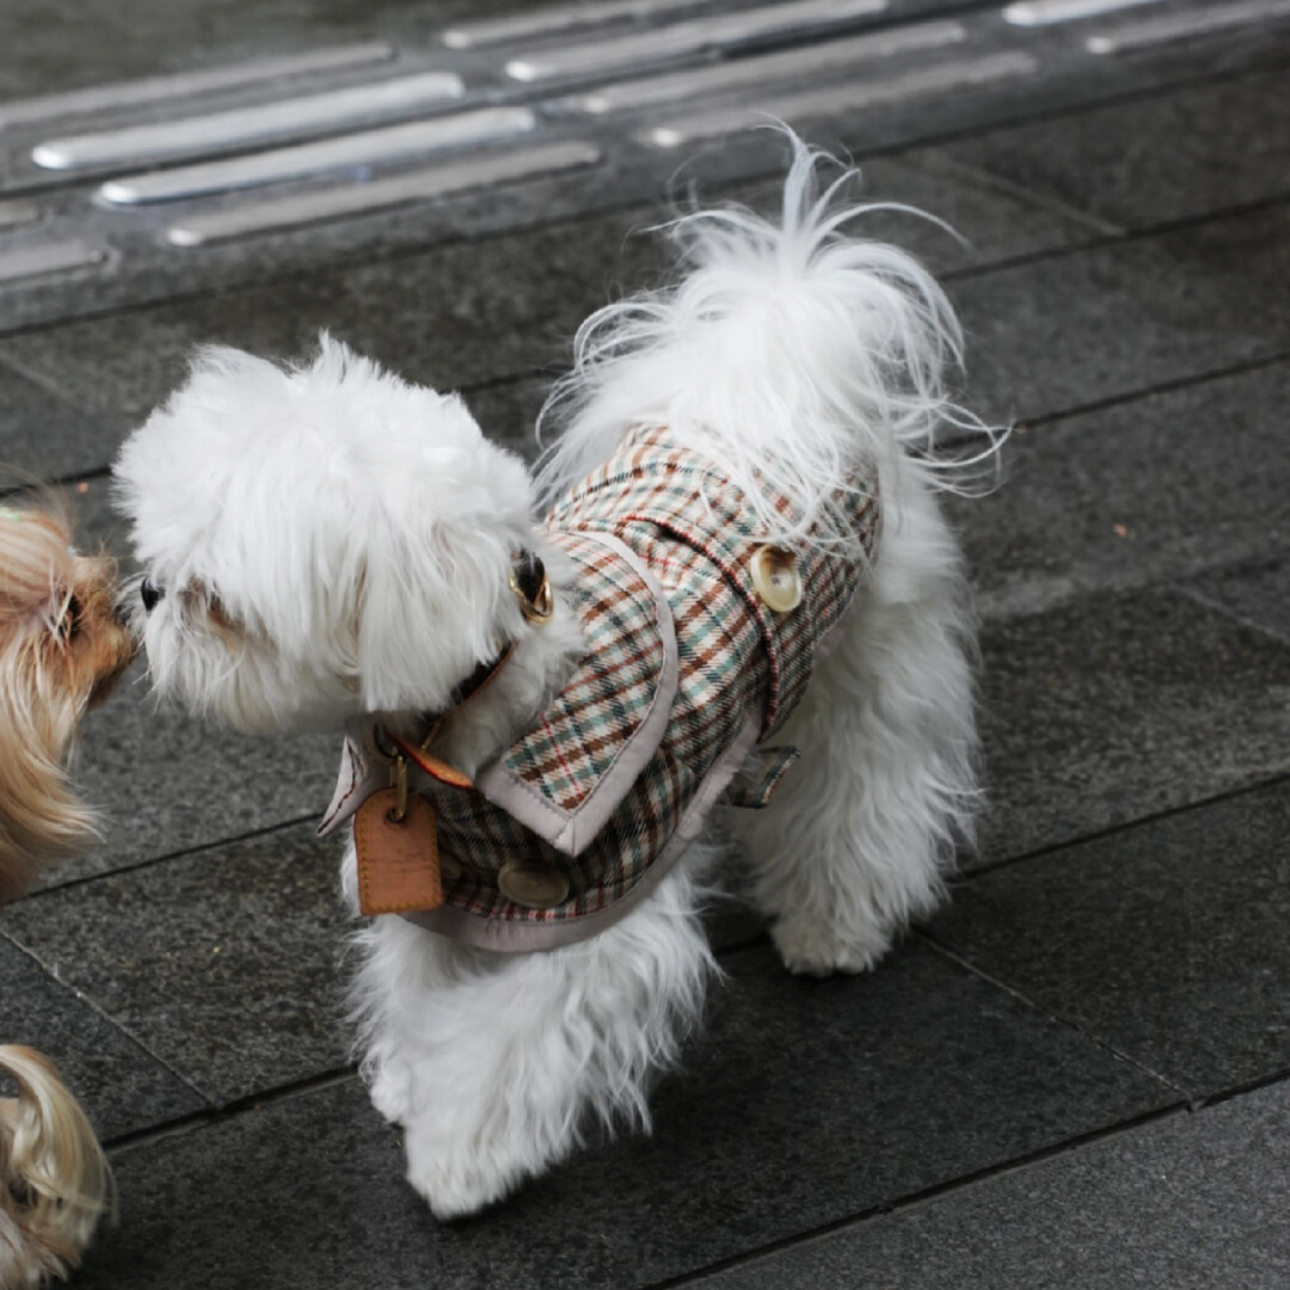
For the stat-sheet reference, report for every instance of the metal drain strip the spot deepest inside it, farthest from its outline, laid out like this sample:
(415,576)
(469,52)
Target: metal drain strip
(843,98)
(1181,26)
(15,214)
(1043,13)
(183,85)
(398,190)
(709,80)
(352,151)
(462,151)
(194,135)
(690,39)
(557,20)
(40,259)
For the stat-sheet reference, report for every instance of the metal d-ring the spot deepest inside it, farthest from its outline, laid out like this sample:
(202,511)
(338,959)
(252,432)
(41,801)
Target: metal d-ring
(399,783)
(542,606)
(398,764)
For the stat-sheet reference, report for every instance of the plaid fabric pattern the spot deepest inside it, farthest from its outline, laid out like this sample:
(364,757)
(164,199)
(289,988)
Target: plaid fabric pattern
(480,837)
(580,733)
(656,481)
(691,529)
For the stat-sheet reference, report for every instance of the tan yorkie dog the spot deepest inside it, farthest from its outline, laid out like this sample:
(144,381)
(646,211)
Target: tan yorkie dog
(61,648)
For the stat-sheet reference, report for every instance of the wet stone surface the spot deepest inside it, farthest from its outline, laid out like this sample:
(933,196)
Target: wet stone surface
(1000,1103)
(1163,158)
(1164,940)
(122,1086)
(1257,591)
(940,1072)
(1049,338)
(1072,513)
(1169,1179)
(237,987)
(1109,710)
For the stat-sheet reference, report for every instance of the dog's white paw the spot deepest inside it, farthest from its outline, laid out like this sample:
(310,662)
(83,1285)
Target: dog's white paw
(811,948)
(456,1182)
(391,1094)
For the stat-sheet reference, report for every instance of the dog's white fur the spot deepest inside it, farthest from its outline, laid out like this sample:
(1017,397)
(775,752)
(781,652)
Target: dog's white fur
(333,542)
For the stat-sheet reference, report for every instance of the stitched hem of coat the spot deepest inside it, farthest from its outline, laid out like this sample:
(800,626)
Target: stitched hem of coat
(511,936)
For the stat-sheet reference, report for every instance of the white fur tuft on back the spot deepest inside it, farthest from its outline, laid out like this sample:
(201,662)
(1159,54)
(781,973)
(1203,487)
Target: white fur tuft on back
(789,350)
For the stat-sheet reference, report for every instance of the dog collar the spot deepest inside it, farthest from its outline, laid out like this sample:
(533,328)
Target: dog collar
(532,588)
(395,831)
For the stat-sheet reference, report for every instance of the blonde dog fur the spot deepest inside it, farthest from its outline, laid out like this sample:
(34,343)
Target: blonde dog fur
(61,647)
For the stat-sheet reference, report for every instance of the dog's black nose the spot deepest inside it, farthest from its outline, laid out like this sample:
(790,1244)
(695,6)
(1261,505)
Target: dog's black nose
(151,594)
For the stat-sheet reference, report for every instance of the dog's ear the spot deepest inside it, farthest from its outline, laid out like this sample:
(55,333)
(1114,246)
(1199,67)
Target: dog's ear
(43,691)
(435,592)
(434,605)
(40,818)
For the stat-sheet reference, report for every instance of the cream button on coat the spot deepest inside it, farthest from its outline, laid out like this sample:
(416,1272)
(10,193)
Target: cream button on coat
(775,579)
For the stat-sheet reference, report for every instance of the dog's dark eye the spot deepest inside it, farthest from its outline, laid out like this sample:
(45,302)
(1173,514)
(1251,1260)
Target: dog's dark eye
(70,627)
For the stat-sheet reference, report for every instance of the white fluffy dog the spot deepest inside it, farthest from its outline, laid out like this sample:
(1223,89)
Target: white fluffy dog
(329,547)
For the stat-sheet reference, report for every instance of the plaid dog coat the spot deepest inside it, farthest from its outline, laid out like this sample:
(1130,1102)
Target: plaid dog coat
(686,673)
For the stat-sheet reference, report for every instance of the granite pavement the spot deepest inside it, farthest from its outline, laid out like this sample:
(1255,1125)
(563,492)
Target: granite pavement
(1077,1073)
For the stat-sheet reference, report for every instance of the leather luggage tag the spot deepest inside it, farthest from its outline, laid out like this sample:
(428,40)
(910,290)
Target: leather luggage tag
(398,864)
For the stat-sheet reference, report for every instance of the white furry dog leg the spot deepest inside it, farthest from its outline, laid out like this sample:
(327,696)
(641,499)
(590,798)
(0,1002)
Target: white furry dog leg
(495,1063)
(857,840)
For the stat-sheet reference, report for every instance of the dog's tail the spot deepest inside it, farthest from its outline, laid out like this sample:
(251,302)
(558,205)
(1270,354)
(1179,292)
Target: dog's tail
(788,350)
(54,1179)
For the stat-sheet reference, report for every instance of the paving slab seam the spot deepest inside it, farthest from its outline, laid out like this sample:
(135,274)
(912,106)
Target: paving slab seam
(1243,368)
(1141,233)
(1255,67)
(92,1004)
(1096,835)
(924,1196)
(55,481)
(1237,1091)
(544,372)
(1218,606)
(1051,595)
(123,1143)
(39,379)
(551,372)
(902,151)
(150,861)
(943,165)
(1018,995)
